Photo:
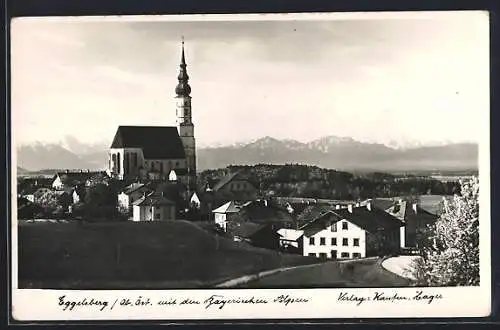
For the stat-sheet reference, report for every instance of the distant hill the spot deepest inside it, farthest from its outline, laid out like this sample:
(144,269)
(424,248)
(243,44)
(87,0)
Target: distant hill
(342,153)
(327,152)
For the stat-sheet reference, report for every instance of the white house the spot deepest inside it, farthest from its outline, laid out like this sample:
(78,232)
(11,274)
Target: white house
(195,201)
(130,194)
(352,232)
(153,207)
(290,237)
(224,214)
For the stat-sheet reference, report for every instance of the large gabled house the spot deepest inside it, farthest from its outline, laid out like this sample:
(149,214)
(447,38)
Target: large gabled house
(346,232)
(236,187)
(154,206)
(416,220)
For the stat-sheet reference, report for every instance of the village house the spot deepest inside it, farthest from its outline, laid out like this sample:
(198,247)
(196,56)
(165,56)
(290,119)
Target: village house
(266,212)
(70,179)
(416,220)
(234,187)
(153,207)
(130,194)
(342,233)
(226,214)
(259,235)
(291,240)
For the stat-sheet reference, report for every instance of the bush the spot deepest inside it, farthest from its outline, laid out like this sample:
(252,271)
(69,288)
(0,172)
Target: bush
(452,256)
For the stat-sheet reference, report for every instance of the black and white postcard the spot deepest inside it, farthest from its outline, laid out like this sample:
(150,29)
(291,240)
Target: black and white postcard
(277,166)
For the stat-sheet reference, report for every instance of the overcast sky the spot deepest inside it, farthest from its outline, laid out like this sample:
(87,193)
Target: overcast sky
(424,78)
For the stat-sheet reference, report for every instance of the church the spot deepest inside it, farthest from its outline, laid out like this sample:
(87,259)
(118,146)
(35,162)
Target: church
(153,152)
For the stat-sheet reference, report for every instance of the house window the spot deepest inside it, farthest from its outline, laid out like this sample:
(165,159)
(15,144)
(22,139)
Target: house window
(312,254)
(176,164)
(344,255)
(311,241)
(322,255)
(334,241)
(334,227)
(344,242)
(356,255)
(322,241)
(344,226)
(334,254)
(355,242)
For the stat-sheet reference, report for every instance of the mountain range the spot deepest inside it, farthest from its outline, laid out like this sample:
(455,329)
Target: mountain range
(328,152)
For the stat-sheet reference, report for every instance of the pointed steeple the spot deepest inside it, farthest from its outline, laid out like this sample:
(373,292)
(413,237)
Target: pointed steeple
(183,88)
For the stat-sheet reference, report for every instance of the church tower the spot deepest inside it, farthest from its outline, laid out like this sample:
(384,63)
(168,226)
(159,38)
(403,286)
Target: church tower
(184,120)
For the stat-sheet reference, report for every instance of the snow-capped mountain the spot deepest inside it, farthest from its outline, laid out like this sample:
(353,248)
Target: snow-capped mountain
(329,152)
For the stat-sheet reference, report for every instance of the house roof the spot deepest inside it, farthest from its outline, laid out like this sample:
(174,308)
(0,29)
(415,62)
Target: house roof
(246,229)
(132,187)
(226,179)
(404,210)
(312,212)
(156,142)
(229,207)
(290,234)
(381,203)
(259,213)
(373,220)
(153,200)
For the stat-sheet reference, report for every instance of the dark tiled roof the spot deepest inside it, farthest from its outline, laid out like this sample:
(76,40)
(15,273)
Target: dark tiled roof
(314,211)
(156,142)
(225,180)
(371,221)
(153,200)
(259,213)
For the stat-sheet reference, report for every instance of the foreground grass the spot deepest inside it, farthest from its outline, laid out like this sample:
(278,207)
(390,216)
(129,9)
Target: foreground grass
(333,274)
(136,256)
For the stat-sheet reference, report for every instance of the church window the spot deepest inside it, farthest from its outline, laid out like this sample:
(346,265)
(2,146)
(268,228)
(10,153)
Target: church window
(135,160)
(161,167)
(152,166)
(118,165)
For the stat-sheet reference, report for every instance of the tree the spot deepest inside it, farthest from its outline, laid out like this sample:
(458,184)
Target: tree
(452,255)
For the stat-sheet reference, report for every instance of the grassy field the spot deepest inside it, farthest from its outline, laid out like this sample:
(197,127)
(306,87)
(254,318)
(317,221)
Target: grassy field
(333,274)
(135,256)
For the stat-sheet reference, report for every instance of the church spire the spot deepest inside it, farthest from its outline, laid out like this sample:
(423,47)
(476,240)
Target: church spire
(183,88)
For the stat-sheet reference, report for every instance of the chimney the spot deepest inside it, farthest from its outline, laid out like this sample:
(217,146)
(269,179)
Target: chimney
(337,207)
(414,206)
(349,207)
(369,206)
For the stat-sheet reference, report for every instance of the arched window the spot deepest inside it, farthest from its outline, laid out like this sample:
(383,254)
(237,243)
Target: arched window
(118,163)
(113,163)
